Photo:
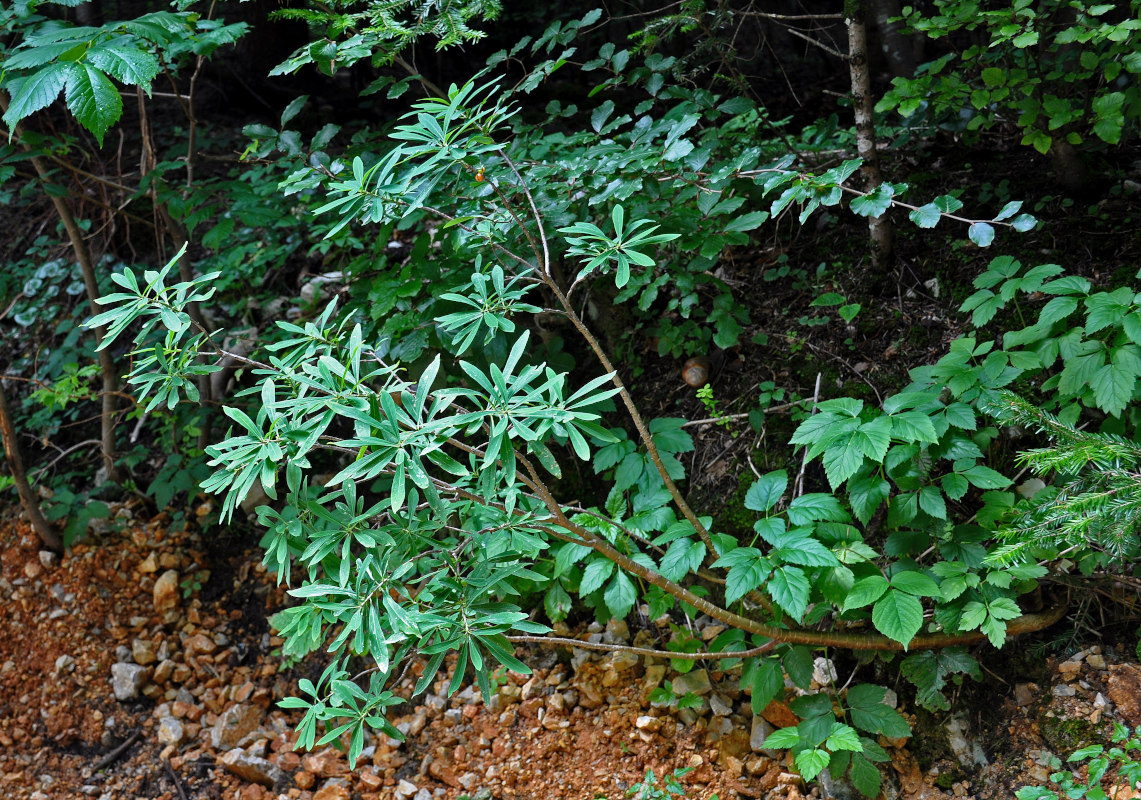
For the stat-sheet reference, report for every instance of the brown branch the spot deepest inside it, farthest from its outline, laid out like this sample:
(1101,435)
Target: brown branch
(28,500)
(558,641)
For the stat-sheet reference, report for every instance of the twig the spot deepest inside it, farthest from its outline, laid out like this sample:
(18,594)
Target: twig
(768,410)
(798,486)
(174,779)
(114,755)
(556,641)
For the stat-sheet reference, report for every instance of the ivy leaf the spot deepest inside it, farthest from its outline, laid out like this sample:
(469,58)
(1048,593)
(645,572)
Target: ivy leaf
(898,616)
(789,588)
(763,494)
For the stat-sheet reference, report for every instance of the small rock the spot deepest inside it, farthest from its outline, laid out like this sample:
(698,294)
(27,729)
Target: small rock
(647,723)
(1023,694)
(143,651)
(148,565)
(48,559)
(32,569)
(1064,690)
(235,723)
(696,682)
(166,592)
(164,671)
(761,730)
(824,671)
(335,789)
(720,706)
(1069,669)
(251,768)
(170,731)
(1096,661)
(404,789)
(200,644)
(1124,690)
(127,680)
(64,663)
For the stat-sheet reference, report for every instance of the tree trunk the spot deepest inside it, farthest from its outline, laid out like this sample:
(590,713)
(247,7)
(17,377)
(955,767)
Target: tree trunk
(87,269)
(879,228)
(28,500)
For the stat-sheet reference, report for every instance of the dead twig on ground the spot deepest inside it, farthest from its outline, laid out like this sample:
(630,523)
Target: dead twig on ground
(115,754)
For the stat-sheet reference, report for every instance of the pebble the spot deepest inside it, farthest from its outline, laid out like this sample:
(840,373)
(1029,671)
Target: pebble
(166,592)
(234,724)
(143,651)
(404,789)
(127,680)
(824,671)
(170,731)
(1096,661)
(720,706)
(1063,690)
(696,682)
(252,768)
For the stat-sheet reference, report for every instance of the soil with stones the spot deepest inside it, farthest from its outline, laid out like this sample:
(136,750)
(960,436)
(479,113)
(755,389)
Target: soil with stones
(142,664)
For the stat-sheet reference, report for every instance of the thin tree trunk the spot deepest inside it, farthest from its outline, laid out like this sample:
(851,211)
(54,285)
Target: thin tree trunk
(178,233)
(28,500)
(879,228)
(87,269)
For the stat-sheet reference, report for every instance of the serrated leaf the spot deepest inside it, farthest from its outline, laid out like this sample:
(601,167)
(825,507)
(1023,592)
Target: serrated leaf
(789,589)
(766,491)
(898,616)
(811,763)
(93,99)
(865,776)
(915,583)
(620,595)
(865,592)
(36,91)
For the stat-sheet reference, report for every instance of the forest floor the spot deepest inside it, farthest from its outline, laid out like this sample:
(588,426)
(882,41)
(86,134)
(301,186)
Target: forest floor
(142,664)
